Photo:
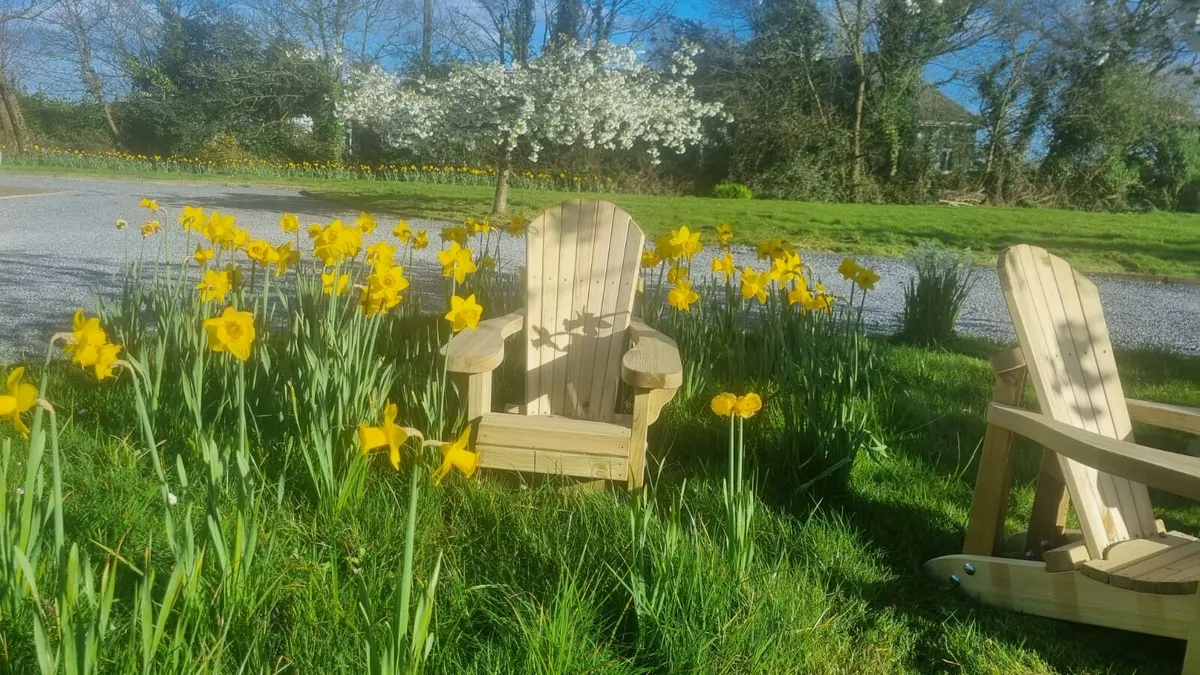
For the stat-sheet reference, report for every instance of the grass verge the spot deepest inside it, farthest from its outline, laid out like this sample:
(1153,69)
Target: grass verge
(1144,244)
(530,581)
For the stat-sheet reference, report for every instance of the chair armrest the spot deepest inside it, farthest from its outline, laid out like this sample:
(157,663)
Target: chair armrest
(482,350)
(653,361)
(1165,415)
(1169,471)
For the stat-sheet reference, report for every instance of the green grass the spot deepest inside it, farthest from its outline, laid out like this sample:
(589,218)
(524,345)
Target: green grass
(1154,244)
(531,578)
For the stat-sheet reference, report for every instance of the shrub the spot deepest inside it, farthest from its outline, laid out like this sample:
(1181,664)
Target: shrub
(934,297)
(223,149)
(732,191)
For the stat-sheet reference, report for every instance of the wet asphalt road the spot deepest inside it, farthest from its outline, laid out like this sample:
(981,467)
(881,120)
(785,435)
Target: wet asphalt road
(58,249)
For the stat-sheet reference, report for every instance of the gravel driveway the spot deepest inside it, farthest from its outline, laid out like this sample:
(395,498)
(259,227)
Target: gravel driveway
(58,248)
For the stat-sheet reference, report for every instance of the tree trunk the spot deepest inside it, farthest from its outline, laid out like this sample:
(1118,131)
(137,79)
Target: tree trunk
(860,96)
(427,34)
(503,169)
(12,123)
(856,170)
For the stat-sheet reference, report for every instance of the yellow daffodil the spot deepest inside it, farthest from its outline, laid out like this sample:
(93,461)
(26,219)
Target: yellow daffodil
(724,235)
(105,360)
(722,404)
(388,435)
(381,255)
(848,268)
(775,248)
(516,225)
(122,223)
(218,227)
(18,398)
(456,261)
(487,262)
(203,255)
(289,223)
(686,242)
(421,240)
(724,265)
(664,247)
(650,258)
(799,295)
(866,278)
(287,258)
(747,405)
(456,455)
(215,286)
(327,279)
(150,227)
(754,285)
(337,242)
(457,235)
(785,267)
(231,332)
(365,222)
(192,218)
(821,300)
(262,252)
(681,296)
(236,278)
(677,272)
(149,204)
(402,231)
(314,230)
(464,313)
(87,337)
(383,290)
(478,226)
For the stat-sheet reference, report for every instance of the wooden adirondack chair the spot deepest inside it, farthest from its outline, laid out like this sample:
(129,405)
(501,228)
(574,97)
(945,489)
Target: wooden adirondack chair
(582,265)
(1122,570)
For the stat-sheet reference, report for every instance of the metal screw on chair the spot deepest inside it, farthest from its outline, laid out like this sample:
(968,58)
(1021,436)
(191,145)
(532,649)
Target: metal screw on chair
(1045,544)
(955,581)
(1029,555)
(969,568)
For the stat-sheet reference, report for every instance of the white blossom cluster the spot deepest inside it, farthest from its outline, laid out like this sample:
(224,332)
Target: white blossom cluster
(602,96)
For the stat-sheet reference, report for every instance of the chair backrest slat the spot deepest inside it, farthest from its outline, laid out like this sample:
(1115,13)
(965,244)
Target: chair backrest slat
(582,267)
(1060,325)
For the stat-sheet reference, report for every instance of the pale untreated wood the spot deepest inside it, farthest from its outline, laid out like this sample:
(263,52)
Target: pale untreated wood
(546,432)
(582,271)
(1048,515)
(653,361)
(1026,586)
(524,460)
(637,440)
(476,390)
(985,525)
(1165,415)
(482,350)
(1065,558)
(1126,553)
(1059,323)
(1174,571)
(1169,471)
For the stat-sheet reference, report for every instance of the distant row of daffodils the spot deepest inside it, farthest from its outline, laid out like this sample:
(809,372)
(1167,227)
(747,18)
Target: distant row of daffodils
(423,172)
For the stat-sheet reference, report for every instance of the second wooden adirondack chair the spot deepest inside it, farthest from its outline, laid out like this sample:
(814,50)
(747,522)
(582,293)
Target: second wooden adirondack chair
(1122,570)
(582,265)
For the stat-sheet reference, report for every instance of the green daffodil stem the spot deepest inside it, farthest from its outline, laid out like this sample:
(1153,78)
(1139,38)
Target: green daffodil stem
(406,570)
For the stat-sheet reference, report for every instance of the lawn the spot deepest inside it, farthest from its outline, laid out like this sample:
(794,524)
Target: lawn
(1152,244)
(532,579)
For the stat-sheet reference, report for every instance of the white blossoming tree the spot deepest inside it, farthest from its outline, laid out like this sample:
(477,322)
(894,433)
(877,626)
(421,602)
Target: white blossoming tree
(571,95)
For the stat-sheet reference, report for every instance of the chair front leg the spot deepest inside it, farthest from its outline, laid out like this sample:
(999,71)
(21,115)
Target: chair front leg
(476,390)
(647,404)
